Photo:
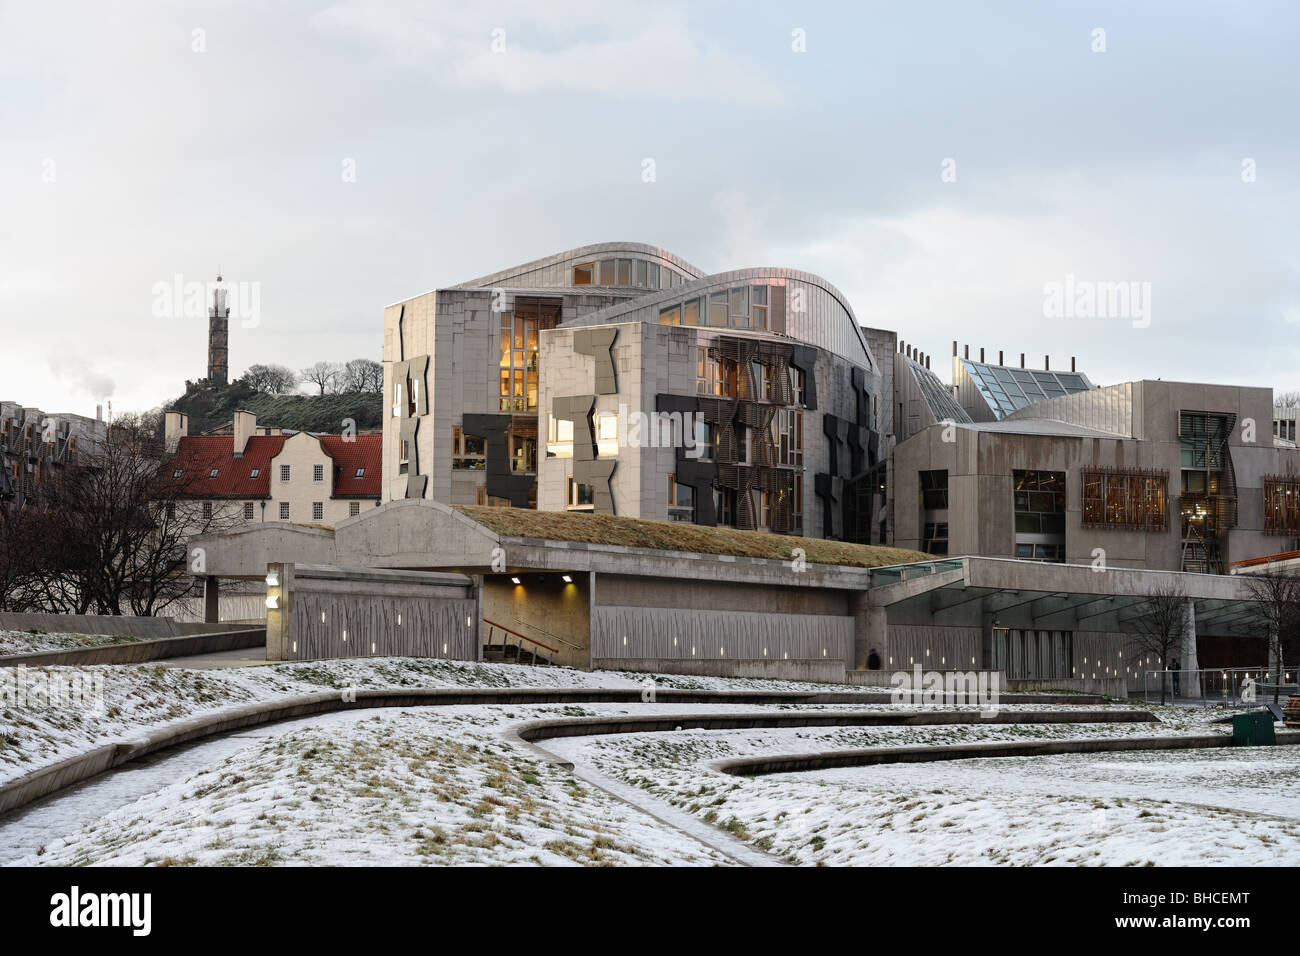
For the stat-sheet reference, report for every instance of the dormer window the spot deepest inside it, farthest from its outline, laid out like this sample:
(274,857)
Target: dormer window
(177,474)
(361,473)
(214,472)
(254,473)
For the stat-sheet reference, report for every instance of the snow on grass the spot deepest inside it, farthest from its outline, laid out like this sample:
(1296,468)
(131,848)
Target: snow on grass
(146,696)
(1133,808)
(399,787)
(33,640)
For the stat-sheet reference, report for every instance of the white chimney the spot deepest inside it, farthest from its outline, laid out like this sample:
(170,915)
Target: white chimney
(175,425)
(245,427)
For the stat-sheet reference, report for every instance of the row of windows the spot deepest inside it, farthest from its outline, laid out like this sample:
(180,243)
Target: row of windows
(744,307)
(469,452)
(637,273)
(681,502)
(720,377)
(1134,500)
(1284,428)
(317,510)
(317,473)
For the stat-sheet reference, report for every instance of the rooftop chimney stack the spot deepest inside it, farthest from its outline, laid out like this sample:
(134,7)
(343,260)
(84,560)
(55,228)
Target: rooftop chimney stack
(1000,362)
(243,428)
(954,348)
(1022,359)
(176,425)
(966,349)
(981,355)
(1072,368)
(1047,363)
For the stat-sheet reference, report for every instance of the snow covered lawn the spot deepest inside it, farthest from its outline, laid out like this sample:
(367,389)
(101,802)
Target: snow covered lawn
(28,642)
(137,696)
(1228,806)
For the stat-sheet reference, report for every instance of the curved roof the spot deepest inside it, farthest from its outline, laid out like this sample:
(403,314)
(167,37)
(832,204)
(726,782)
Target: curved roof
(599,249)
(613,313)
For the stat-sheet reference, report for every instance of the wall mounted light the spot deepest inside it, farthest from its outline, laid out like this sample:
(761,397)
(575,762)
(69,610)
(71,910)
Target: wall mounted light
(273,602)
(272,579)
(399,620)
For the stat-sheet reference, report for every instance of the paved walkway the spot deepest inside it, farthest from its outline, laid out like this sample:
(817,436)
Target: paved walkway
(239,657)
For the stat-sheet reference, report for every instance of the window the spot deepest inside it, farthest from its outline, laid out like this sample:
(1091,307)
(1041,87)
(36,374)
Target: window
(714,375)
(681,501)
(787,436)
(207,511)
(404,457)
(607,435)
(523,449)
(1282,504)
(559,438)
(624,271)
(1039,502)
(582,497)
(934,539)
(724,506)
(414,404)
(642,273)
(1123,498)
(175,474)
(214,472)
(740,307)
(317,510)
(169,510)
(607,276)
(934,490)
(469,452)
(584,274)
(248,511)
(718,309)
(671,316)
(759,315)
(397,399)
(653,280)
(284,472)
(284,511)
(317,472)
(361,473)
(706,440)
(691,311)
(797,384)
(354,508)
(254,473)
(517,365)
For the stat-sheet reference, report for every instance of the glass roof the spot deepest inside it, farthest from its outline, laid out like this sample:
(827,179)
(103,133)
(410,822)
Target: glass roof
(1007,389)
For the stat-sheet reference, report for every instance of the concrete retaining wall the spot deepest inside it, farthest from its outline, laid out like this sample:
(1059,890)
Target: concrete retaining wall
(788,763)
(824,672)
(1109,686)
(145,650)
(115,625)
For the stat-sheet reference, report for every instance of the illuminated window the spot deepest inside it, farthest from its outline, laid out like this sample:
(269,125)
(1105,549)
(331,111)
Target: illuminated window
(718,309)
(584,274)
(1282,504)
(1126,499)
(671,316)
(787,436)
(691,311)
(559,438)
(517,362)
(468,452)
(759,313)
(642,273)
(607,435)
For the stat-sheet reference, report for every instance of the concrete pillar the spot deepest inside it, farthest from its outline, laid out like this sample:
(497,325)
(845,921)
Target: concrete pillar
(211,602)
(1189,683)
(279,637)
(870,632)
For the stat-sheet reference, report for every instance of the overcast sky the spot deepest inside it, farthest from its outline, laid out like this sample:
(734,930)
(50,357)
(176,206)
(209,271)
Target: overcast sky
(341,156)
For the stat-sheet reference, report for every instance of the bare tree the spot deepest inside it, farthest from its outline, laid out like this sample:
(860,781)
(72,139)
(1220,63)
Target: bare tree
(1161,626)
(1287,399)
(273,379)
(1277,596)
(363,375)
(324,375)
(117,526)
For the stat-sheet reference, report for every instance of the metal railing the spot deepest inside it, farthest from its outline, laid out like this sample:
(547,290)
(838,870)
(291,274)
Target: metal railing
(519,639)
(1227,686)
(551,635)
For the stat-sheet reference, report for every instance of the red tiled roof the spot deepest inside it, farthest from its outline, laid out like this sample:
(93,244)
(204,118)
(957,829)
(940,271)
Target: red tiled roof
(197,455)
(359,451)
